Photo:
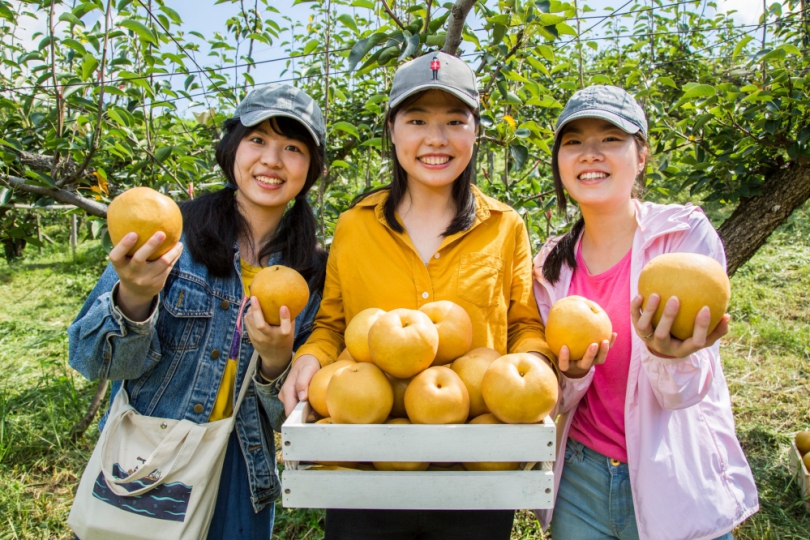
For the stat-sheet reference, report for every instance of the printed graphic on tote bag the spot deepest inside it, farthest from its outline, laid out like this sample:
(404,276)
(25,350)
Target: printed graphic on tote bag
(167,501)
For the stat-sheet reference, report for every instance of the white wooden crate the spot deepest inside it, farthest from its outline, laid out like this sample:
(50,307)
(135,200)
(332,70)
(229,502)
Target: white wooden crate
(801,473)
(460,490)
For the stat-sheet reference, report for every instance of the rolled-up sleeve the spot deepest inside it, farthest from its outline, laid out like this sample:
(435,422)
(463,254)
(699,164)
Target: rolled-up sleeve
(526,332)
(104,343)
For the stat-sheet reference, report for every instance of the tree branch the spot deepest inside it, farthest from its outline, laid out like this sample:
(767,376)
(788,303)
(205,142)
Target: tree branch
(68,197)
(392,15)
(512,51)
(458,17)
(69,179)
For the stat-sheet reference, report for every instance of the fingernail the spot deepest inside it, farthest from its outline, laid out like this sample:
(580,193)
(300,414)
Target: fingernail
(302,395)
(130,236)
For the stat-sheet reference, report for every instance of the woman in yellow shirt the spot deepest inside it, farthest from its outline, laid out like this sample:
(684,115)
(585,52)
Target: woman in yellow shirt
(431,235)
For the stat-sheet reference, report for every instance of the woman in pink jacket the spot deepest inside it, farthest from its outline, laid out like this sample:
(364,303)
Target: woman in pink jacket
(647,447)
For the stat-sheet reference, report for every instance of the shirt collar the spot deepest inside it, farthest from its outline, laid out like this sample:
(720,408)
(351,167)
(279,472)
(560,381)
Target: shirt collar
(484,206)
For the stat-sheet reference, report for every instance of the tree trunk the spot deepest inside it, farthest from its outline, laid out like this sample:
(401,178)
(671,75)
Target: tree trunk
(456,25)
(755,218)
(78,430)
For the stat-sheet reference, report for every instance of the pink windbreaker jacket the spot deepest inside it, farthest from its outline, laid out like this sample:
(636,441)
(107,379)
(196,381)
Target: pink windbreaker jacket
(689,476)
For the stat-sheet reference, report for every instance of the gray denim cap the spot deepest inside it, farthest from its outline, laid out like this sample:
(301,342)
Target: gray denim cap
(608,103)
(282,100)
(436,70)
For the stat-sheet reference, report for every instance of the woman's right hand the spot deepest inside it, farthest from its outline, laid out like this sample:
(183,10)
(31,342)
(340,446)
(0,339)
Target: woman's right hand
(141,280)
(296,387)
(594,356)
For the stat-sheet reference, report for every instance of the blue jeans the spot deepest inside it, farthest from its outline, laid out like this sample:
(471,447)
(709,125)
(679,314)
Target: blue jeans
(234,518)
(594,500)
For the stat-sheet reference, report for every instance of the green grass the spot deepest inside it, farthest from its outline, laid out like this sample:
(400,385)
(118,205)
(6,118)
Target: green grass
(766,358)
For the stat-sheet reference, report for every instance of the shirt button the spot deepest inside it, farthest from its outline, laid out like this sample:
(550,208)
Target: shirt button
(425,295)
(215,354)
(225,304)
(198,409)
(436,256)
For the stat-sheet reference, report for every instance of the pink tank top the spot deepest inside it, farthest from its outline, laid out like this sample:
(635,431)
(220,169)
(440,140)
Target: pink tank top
(599,420)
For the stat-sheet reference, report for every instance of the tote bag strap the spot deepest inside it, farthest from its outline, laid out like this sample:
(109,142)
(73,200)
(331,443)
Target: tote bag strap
(251,370)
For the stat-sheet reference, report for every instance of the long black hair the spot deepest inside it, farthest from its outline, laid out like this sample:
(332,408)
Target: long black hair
(213,223)
(462,194)
(563,252)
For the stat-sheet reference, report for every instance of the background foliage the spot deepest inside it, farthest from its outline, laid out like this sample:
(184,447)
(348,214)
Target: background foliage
(97,106)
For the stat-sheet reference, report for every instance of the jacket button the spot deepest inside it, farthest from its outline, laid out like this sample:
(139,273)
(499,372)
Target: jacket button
(425,295)
(225,304)
(215,354)
(198,409)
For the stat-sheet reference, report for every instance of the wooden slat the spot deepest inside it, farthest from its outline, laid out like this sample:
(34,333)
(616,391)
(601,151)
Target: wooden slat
(429,490)
(798,470)
(435,443)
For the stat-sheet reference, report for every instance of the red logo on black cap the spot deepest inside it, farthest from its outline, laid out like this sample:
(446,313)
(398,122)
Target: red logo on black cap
(434,67)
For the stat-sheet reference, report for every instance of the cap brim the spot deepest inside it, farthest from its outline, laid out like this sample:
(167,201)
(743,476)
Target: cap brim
(615,119)
(421,88)
(257,117)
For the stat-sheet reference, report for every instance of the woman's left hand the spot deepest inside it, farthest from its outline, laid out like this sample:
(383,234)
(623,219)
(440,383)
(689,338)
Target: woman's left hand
(660,342)
(274,343)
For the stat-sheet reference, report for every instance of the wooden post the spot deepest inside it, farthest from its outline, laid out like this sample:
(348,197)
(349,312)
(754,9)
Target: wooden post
(39,234)
(73,233)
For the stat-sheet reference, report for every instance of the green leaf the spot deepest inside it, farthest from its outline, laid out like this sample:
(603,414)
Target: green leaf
(340,163)
(519,154)
(106,241)
(361,48)
(368,4)
(667,82)
(173,15)
(311,45)
(565,29)
(140,29)
(348,21)
(740,46)
(790,48)
(804,134)
(75,45)
(375,142)
(70,18)
(347,127)
(549,19)
(546,51)
(89,64)
(699,91)
(162,153)
(5,195)
(776,54)
(411,44)
(497,33)
(436,40)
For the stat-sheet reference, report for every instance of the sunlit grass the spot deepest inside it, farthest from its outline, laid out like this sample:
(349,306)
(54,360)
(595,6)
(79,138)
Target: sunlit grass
(766,360)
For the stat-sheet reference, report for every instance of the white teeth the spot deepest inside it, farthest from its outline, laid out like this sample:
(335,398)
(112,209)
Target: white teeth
(592,175)
(269,181)
(434,160)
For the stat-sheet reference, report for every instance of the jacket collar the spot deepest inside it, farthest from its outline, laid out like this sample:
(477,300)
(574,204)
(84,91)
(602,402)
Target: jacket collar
(654,220)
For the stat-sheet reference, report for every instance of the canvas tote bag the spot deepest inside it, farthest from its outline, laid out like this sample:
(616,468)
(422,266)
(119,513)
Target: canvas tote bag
(152,478)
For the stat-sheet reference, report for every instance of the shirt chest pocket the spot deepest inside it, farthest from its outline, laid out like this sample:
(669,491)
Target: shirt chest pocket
(480,279)
(187,309)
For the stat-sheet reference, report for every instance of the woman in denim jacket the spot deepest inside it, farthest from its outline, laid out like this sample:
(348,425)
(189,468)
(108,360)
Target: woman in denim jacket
(166,328)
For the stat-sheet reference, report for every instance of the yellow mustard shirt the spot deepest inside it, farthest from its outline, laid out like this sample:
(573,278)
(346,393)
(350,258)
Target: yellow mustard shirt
(223,406)
(486,269)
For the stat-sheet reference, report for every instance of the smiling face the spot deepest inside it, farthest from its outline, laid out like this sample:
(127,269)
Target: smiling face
(270,169)
(434,138)
(598,162)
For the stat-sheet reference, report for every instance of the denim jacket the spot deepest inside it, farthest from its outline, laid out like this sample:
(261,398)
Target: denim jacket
(172,363)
